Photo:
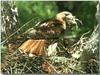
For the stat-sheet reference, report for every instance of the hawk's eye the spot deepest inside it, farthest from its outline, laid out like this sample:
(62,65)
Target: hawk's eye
(66,14)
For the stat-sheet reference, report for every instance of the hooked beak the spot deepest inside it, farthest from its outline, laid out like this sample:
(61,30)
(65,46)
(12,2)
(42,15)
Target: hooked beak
(79,21)
(64,26)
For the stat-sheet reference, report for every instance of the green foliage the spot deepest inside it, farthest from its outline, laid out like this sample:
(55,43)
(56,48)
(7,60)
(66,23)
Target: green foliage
(4,51)
(32,9)
(87,14)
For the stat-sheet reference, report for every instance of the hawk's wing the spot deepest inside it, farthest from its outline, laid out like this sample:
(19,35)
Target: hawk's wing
(38,35)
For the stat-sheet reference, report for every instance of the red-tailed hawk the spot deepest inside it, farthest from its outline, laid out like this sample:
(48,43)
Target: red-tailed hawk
(45,30)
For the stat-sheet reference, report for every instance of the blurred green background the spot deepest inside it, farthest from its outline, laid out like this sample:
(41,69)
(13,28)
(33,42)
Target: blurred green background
(41,10)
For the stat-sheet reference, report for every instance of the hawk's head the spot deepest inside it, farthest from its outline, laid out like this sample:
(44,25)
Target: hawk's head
(66,19)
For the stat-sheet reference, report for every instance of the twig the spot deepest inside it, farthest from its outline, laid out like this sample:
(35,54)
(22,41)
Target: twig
(95,29)
(85,34)
(15,67)
(11,70)
(29,69)
(77,70)
(62,46)
(52,66)
(81,38)
(6,71)
(24,67)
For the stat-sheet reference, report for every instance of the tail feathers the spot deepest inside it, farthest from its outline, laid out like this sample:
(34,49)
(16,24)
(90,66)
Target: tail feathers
(35,47)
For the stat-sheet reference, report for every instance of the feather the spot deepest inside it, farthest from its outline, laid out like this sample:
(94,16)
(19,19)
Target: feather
(33,47)
(51,50)
(25,45)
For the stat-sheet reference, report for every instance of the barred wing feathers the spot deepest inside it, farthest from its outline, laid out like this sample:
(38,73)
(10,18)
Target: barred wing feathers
(35,47)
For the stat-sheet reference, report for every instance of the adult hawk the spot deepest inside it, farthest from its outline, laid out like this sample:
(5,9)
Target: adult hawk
(46,30)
